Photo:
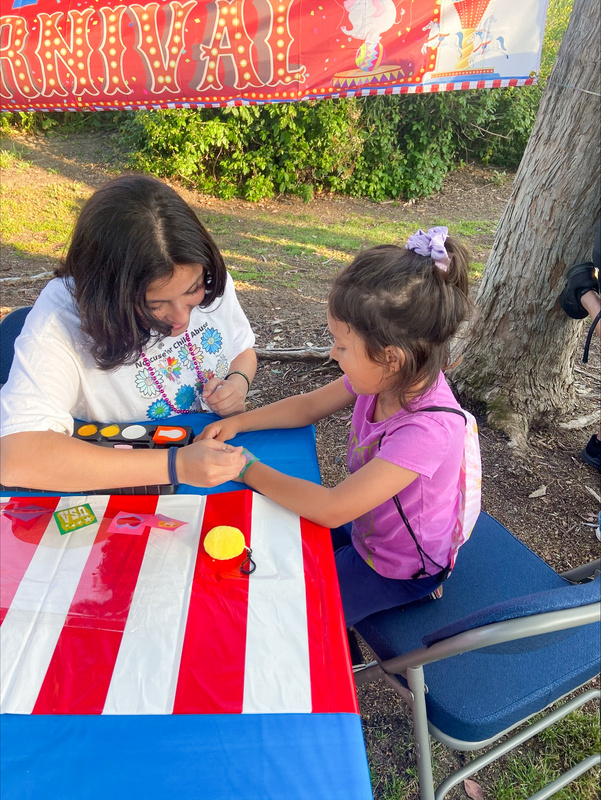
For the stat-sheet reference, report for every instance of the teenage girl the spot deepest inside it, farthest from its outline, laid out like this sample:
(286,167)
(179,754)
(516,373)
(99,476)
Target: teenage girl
(141,323)
(391,313)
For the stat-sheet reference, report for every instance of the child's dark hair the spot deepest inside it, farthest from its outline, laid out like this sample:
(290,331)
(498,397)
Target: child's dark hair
(395,297)
(132,232)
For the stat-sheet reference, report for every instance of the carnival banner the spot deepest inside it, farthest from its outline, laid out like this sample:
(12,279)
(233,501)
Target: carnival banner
(58,55)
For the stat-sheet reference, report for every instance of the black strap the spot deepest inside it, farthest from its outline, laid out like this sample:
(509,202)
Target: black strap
(444,408)
(589,337)
(444,572)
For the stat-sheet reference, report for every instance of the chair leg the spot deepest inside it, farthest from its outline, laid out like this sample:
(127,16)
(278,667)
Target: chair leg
(516,739)
(423,754)
(567,777)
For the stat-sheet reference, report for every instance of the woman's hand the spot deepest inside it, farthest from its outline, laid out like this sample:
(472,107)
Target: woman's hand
(208,463)
(225,397)
(223,430)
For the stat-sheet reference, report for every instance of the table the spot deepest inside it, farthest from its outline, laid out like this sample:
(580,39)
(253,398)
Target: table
(133,667)
(290,450)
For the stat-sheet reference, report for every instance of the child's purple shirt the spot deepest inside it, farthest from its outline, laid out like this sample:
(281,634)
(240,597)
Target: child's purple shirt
(429,443)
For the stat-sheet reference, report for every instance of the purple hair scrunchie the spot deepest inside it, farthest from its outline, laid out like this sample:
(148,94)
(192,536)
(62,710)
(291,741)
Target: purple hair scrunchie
(431,245)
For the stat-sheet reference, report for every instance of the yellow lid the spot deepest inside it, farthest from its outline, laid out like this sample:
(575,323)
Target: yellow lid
(224,542)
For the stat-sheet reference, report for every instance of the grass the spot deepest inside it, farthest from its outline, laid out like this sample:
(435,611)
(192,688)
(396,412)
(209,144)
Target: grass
(13,159)
(40,220)
(515,777)
(476,269)
(259,245)
(553,752)
(397,789)
(560,747)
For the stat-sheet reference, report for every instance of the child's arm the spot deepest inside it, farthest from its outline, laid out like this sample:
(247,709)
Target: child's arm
(369,487)
(292,412)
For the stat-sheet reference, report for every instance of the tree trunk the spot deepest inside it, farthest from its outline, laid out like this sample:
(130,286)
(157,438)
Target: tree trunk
(519,351)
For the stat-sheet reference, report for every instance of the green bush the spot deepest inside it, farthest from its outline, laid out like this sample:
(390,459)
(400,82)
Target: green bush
(410,142)
(514,113)
(63,121)
(390,146)
(253,151)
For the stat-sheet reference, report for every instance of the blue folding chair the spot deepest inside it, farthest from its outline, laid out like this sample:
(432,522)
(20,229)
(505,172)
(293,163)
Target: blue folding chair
(508,638)
(10,328)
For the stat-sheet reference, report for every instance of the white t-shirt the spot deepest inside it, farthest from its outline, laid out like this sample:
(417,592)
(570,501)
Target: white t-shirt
(54,379)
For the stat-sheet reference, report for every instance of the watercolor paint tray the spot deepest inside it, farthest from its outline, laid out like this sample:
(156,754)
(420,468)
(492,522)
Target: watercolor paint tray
(128,436)
(131,436)
(163,488)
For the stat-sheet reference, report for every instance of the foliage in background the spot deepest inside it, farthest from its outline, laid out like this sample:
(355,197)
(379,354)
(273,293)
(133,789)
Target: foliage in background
(513,117)
(60,121)
(255,151)
(390,146)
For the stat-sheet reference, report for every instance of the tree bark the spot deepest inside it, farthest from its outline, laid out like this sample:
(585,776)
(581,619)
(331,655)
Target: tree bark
(519,351)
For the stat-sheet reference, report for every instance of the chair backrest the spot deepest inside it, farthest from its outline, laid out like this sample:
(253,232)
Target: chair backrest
(10,328)
(570,596)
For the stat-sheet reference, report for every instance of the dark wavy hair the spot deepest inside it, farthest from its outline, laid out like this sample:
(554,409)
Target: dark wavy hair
(391,296)
(133,231)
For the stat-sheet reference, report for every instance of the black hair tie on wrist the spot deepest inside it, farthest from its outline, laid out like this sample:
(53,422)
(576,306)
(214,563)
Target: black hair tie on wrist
(172,455)
(237,372)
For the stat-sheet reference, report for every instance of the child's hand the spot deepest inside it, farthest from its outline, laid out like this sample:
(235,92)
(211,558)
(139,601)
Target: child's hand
(225,397)
(223,430)
(209,463)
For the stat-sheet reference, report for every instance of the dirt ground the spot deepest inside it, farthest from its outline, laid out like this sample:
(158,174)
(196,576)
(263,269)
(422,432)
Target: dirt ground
(559,524)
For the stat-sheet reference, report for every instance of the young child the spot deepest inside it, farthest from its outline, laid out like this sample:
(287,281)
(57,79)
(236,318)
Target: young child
(141,322)
(391,313)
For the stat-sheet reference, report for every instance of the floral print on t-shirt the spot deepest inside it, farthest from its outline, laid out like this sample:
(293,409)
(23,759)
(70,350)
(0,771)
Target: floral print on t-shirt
(145,385)
(159,410)
(211,340)
(186,358)
(176,373)
(171,369)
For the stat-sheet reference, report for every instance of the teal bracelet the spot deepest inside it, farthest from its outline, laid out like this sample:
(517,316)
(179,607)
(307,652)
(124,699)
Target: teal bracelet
(250,459)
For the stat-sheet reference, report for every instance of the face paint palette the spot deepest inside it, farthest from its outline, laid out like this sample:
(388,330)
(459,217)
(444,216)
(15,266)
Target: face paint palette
(129,436)
(134,436)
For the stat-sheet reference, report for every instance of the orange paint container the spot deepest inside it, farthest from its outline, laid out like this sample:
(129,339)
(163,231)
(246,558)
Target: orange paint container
(166,434)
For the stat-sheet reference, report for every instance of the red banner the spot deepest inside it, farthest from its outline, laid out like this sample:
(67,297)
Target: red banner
(66,55)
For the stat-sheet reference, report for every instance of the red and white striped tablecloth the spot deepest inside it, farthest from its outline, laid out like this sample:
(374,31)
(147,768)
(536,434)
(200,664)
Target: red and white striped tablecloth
(131,624)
